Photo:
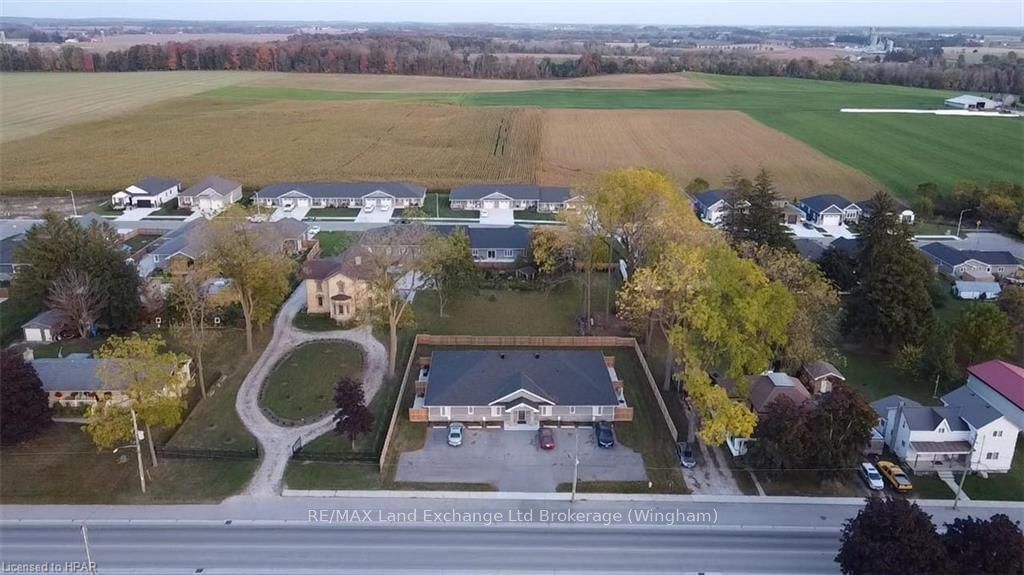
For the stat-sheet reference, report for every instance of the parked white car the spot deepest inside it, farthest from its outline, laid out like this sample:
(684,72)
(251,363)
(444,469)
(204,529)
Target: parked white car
(288,208)
(483,213)
(872,478)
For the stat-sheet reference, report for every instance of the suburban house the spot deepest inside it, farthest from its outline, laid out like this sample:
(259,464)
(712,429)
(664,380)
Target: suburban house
(712,205)
(820,376)
(968,102)
(210,195)
(74,381)
(906,215)
(971,265)
(976,290)
(494,246)
(9,263)
(830,210)
(976,427)
(44,328)
(765,389)
(518,389)
(342,195)
(92,218)
(512,197)
(188,243)
(151,192)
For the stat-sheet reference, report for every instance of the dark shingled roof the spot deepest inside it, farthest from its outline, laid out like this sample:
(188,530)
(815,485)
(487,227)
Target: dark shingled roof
(50,318)
(765,389)
(822,201)
(546,194)
(480,377)
(218,184)
(973,408)
(850,246)
(952,256)
(154,185)
(492,237)
(91,218)
(343,189)
(883,405)
(709,198)
(869,206)
(920,417)
(9,246)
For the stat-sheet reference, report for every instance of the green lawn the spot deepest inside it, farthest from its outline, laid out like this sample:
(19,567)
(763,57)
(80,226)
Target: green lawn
(63,466)
(899,150)
(301,386)
(315,322)
(1002,487)
(140,241)
(873,374)
(510,312)
(214,423)
(536,216)
(171,209)
(13,314)
(333,243)
(68,346)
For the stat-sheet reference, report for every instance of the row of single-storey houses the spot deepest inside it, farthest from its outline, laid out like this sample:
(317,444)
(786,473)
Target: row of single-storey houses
(214,193)
(821,210)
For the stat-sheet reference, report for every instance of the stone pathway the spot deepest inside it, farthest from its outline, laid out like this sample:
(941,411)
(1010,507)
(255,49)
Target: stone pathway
(276,441)
(950,480)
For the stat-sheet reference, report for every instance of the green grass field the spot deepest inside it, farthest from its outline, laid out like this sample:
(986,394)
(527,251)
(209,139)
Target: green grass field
(301,386)
(899,150)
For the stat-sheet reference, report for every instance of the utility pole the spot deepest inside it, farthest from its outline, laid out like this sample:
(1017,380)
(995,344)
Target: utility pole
(138,450)
(88,554)
(576,464)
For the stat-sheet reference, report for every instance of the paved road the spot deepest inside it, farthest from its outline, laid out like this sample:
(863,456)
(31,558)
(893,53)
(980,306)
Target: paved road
(308,549)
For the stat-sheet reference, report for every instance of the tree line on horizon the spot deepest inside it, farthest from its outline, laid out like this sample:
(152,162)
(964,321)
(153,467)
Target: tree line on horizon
(481,58)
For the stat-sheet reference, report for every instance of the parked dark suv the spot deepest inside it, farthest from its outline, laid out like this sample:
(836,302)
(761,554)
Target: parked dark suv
(604,434)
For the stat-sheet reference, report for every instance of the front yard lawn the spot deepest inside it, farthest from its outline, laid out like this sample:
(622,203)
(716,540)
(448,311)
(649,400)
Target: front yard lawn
(437,205)
(333,243)
(534,215)
(62,466)
(213,422)
(315,321)
(1001,487)
(301,386)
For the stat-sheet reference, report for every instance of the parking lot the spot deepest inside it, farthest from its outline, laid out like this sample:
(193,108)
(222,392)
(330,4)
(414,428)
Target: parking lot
(512,460)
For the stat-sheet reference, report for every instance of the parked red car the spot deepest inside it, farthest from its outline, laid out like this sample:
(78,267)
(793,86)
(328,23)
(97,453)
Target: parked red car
(546,438)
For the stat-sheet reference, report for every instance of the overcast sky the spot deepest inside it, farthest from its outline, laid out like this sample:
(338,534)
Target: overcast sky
(685,12)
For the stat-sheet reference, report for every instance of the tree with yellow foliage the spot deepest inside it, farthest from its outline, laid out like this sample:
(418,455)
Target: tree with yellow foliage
(632,204)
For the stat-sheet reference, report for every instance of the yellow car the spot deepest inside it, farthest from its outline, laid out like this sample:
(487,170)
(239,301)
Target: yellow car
(895,476)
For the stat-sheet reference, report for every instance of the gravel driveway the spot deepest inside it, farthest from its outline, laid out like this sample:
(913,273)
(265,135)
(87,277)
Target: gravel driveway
(276,441)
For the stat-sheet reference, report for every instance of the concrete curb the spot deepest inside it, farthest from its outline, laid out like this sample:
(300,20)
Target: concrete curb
(619,497)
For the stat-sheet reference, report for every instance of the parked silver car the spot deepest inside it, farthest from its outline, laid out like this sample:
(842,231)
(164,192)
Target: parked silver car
(456,431)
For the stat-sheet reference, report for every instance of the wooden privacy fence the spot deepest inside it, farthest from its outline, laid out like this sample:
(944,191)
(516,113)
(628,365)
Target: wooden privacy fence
(524,341)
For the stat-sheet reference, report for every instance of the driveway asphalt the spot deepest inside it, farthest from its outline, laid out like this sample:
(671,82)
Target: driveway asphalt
(276,441)
(512,460)
(498,217)
(379,215)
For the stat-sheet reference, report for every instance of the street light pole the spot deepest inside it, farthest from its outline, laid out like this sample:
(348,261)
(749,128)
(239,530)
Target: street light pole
(961,220)
(73,206)
(576,464)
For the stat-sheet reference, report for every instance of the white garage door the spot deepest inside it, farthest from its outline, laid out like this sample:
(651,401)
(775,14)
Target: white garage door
(830,220)
(489,205)
(33,334)
(504,204)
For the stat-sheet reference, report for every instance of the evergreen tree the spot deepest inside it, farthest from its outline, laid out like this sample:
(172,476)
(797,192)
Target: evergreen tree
(891,303)
(755,216)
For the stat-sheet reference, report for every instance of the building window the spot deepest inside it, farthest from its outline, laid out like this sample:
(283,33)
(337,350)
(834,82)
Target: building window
(942,430)
(997,433)
(320,301)
(492,254)
(496,411)
(545,410)
(572,409)
(991,455)
(598,410)
(469,410)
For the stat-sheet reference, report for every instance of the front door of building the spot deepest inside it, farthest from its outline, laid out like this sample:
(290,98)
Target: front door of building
(521,417)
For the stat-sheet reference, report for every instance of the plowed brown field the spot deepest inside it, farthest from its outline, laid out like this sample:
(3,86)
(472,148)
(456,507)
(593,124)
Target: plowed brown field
(578,144)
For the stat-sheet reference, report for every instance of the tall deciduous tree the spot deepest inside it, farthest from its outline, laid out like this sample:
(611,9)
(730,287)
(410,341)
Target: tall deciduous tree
(353,418)
(154,388)
(696,186)
(190,297)
(891,303)
(78,298)
(583,227)
(632,203)
(841,422)
(253,261)
(755,217)
(448,265)
(983,332)
(57,245)
(24,407)
(986,547)
(891,537)
(814,330)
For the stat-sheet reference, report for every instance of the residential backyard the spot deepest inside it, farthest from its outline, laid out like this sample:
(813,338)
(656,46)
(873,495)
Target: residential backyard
(333,243)
(301,387)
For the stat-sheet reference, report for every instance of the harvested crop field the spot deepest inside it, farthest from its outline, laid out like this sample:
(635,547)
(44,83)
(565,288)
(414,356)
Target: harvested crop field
(377,83)
(578,144)
(263,142)
(32,103)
